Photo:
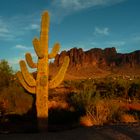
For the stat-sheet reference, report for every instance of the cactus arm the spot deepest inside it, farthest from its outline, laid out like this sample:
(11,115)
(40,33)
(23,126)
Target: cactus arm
(60,76)
(24,84)
(27,76)
(54,51)
(36,44)
(29,61)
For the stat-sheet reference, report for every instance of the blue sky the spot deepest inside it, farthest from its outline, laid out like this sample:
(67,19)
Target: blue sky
(74,23)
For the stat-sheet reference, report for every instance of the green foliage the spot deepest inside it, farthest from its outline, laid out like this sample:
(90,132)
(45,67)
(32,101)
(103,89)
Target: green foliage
(5,68)
(125,85)
(108,87)
(6,74)
(13,98)
(80,84)
(82,100)
(134,91)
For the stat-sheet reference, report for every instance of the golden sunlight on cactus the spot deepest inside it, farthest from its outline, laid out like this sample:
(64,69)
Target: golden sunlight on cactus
(55,50)
(27,76)
(40,85)
(29,61)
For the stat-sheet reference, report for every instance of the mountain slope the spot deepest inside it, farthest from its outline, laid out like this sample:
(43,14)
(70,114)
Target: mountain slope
(98,62)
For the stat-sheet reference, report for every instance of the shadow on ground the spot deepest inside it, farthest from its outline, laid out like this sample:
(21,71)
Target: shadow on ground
(108,132)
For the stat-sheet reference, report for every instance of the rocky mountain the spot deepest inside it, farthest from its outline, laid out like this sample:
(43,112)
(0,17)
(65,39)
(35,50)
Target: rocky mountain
(98,61)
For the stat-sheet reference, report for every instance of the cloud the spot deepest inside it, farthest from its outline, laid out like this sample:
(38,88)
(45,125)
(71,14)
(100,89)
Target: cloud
(84,4)
(62,8)
(101,31)
(5,33)
(24,25)
(22,47)
(3,27)
(116,43)
(33,27)
(3,30)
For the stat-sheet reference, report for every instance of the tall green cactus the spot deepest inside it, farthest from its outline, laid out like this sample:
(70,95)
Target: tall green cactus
(40,85)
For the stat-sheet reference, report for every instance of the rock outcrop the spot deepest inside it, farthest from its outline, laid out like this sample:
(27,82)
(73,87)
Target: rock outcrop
(102,58)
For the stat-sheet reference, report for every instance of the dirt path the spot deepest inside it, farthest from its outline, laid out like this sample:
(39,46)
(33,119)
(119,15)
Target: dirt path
(109,132)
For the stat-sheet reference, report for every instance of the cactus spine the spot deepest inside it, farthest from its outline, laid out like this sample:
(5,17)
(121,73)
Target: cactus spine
(41,84)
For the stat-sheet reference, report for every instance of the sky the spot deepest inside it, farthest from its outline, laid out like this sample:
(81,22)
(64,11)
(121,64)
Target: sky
(83,24)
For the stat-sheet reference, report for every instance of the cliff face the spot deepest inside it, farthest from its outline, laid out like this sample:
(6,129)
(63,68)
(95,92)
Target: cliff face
(101,58)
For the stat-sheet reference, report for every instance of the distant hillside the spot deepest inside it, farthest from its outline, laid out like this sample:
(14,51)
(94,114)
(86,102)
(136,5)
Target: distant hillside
(98,62)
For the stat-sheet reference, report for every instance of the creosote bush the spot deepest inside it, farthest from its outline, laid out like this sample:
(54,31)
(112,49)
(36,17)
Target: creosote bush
(82,100)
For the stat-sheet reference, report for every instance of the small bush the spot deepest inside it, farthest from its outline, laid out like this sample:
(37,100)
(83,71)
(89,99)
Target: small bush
(82,100)
(99,112)
(17,101)
(115,112)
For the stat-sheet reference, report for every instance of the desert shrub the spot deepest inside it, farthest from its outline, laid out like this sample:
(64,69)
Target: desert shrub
(134,91)
(105,111)
(115,112)
(98,111)
(107,88)
(90,103)
(17,100)
(82,100)
(6,74)
(124,85)
(80,84)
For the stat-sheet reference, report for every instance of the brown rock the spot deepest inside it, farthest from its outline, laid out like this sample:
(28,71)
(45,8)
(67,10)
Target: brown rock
(98,57)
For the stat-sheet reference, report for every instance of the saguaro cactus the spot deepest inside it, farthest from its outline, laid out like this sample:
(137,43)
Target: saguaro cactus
(40,85)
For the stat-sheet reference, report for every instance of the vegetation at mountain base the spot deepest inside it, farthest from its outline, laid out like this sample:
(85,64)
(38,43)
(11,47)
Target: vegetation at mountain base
(87,101)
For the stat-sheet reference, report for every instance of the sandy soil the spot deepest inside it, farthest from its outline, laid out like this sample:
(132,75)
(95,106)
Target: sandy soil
(108,132)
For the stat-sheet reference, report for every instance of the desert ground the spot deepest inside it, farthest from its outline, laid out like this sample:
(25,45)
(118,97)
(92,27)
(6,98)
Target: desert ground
(107,132)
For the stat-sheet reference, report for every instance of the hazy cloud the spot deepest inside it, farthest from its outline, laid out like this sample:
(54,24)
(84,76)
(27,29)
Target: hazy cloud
(22,47)
(3,27)
(33,27)
(62,8)
(4,31)
(83,4)
(101,31)
(116,43)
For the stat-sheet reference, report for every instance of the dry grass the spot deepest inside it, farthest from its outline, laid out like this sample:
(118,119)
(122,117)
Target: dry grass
(127,118)
(99,113)
(86,121)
